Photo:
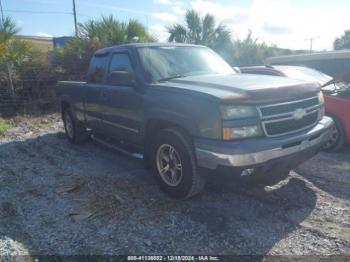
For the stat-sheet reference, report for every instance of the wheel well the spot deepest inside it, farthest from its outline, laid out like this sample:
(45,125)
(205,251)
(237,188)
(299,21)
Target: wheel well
(154,126)
(336,119)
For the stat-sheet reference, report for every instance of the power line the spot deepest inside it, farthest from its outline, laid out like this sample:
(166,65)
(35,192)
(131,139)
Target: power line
(44,12)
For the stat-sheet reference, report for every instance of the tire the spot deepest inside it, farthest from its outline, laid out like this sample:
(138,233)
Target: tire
(337,137)
(177,182)
(75,132)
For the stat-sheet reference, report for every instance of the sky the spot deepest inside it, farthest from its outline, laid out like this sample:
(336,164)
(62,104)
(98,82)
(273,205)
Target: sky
(285,23)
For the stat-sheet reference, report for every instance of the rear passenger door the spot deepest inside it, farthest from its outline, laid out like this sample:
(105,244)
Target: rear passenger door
(92,91)
(122,105)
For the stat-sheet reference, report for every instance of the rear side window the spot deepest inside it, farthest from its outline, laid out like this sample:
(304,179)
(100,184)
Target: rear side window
(120,62)
(98,68)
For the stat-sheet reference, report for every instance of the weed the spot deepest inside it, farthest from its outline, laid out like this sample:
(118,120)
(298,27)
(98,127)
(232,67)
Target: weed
(5,125)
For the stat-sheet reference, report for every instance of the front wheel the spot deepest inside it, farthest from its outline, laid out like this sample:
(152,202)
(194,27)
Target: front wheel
(174,164)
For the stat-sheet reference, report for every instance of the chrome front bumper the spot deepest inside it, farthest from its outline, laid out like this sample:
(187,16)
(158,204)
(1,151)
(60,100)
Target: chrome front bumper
(258,151)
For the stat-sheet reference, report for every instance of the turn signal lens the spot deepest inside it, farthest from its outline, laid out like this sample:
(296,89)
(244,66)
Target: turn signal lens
(320,97)
(241,132)
(322,112)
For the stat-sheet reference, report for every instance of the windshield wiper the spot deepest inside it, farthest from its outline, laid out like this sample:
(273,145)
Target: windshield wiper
(170,78)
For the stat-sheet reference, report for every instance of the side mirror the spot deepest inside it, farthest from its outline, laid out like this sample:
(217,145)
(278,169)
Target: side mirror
(121,78)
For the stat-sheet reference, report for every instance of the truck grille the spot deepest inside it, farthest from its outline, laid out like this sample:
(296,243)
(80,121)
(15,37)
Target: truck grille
(290,117)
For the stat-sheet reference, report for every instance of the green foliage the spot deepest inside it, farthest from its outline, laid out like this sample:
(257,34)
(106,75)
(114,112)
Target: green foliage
(250,51)
(8,30)
(73,60)
(94,34)
(108,31)
(12,49)
(342,42)
(4,126)
(201,31)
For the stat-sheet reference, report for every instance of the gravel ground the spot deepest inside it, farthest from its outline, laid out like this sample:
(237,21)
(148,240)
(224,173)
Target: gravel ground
(61,199)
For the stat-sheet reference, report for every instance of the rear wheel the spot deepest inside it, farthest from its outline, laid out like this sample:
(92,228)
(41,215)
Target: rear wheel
(337,137)
(174,164)
(75,132)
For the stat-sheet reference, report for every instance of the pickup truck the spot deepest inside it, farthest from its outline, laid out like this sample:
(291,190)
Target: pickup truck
(191,116)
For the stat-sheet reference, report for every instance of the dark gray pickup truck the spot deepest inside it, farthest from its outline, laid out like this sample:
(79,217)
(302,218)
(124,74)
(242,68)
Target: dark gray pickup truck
(186,112)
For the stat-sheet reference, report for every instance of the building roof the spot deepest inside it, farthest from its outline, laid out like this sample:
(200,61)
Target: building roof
(38,38)
(340,54)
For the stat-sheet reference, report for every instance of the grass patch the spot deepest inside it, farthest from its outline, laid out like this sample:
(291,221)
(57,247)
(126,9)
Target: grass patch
(4,126)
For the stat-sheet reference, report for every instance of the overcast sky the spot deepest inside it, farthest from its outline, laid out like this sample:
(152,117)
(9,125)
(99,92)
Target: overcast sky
(286,23)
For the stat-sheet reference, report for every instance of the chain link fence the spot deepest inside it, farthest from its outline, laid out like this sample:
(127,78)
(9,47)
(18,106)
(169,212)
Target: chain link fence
(33,93)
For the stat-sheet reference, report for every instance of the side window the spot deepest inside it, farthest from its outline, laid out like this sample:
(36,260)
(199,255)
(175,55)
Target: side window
(120,62)
(98,68)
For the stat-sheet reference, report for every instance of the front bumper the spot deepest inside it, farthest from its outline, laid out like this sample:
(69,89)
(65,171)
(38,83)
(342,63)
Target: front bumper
(247,153)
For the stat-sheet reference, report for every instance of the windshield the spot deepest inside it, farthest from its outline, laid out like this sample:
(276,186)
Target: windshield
(164,63)
(304,73)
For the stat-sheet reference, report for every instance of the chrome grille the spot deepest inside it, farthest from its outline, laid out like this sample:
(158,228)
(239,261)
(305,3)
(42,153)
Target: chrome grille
(289,117)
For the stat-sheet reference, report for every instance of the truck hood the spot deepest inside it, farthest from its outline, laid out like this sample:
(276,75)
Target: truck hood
(245,88)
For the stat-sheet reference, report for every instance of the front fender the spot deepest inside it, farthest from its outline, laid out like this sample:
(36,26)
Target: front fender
(178,119)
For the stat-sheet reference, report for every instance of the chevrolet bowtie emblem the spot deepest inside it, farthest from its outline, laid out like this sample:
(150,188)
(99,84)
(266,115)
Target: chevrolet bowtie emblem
(299,113)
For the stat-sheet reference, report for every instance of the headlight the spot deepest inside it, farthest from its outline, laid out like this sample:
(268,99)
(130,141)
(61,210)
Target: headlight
(230,133)
(320,97)
(236,112)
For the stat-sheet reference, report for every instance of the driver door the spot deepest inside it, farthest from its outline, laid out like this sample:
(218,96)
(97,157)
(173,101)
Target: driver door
(121,105)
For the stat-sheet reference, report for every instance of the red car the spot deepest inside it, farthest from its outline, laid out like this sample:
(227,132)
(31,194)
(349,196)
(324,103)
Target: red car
(337,97)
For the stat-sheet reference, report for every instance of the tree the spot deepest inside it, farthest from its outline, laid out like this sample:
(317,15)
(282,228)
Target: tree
(92,35)
(342,42)
(13,51)
(250,51)
(201,31)
(109,31)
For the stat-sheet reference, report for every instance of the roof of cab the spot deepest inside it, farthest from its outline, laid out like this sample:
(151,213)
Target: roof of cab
(138,45)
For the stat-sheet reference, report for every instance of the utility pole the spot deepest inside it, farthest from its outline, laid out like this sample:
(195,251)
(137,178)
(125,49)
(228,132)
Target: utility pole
(8,66)
(75,19)
(2,14)
(311,41)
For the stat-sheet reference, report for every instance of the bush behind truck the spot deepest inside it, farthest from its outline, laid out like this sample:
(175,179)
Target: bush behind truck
(185,110)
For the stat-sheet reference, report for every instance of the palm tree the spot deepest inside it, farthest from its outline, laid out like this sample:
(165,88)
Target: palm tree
(8,30)
(94,34)
(109,31)
(12,49)
(200,31)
